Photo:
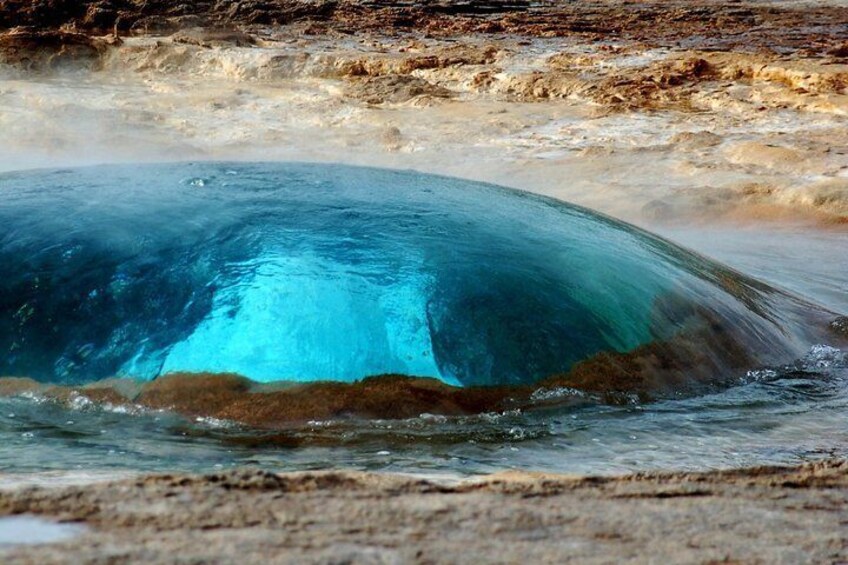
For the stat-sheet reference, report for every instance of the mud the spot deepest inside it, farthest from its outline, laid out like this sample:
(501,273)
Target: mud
(759,515)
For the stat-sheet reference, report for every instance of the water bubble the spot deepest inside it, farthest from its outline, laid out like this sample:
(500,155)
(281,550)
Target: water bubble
(544,394)
(79,402)
(517,433)
(369,272)
(824,357)
(760,375)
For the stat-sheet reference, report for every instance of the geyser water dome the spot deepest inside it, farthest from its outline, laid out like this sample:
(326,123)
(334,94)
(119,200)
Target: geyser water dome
(314,272)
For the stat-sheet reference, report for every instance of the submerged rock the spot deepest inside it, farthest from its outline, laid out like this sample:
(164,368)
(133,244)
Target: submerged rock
(287,272)
(840,326)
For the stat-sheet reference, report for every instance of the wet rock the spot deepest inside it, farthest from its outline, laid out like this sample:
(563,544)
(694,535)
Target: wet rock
(41,50)
(828,196)
(234,398)
(763,155)
(395,89)
(840,326)
(193,394)
(103,16)
(392,139)
(162,25)
(839,51)
(662,84)
(662,367)
(263,12)
(13,386)
(462,7)
(696,140)
(97,394)
(713,25)
(40,13)
(211,38)
(456,55)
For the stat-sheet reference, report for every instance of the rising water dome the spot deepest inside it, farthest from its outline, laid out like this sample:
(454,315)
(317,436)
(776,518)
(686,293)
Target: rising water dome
(296,272)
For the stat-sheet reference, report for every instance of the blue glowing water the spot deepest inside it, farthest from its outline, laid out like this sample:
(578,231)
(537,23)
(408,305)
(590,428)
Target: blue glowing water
(310,272)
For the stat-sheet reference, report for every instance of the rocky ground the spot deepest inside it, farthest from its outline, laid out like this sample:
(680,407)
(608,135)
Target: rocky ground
(763,515)
(810,27)
(739,110)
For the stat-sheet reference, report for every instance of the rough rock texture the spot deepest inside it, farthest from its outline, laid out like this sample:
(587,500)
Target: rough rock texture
(720,24)
(396,89)
(279,406)
(50,49)
(761,515)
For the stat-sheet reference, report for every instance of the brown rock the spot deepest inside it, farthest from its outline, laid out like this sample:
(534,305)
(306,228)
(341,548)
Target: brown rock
(395,89)
(42,50)
(211,38)
(13,386)
(696,140)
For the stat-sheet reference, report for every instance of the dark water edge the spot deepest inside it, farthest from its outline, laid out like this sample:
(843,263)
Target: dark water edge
(784,415)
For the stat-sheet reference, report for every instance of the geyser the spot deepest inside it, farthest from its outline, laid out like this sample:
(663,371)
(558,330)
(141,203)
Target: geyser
(313,272)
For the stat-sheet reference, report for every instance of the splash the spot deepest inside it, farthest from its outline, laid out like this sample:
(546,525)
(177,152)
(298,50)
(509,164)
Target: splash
(295,272)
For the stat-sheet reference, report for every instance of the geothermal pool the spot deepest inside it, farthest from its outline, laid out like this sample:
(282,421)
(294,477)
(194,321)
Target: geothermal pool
(293,273)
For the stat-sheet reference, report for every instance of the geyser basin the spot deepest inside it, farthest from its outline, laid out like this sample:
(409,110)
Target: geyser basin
(296,272)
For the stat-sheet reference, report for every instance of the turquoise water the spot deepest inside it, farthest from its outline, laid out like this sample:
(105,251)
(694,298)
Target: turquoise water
(291,272)
(306,272)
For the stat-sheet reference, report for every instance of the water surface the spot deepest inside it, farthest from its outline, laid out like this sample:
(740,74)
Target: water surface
(32,530)
(305,273)
(287,272)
